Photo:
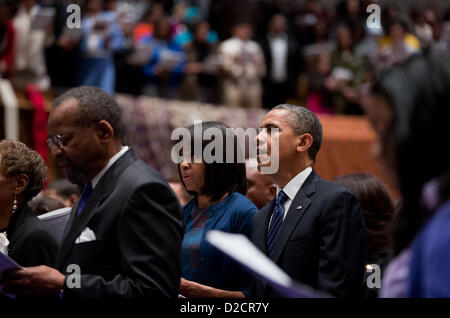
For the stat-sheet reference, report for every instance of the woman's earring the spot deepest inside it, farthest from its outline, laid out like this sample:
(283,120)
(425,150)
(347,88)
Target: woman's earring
(14,208)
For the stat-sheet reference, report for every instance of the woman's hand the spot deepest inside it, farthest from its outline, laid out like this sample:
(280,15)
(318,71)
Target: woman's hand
(190,289)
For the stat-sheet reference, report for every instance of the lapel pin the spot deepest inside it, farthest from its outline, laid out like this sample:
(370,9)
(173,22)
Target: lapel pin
(299,207)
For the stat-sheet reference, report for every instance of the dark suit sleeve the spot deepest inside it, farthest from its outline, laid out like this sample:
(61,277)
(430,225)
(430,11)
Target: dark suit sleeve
(342,247)
(149,238)
(40,248)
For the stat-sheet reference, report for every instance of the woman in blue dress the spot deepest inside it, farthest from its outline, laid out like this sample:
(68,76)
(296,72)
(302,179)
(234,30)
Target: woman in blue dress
(219,204)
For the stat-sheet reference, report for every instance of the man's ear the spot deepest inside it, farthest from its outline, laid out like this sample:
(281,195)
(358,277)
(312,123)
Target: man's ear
(272,189)
(105,130)
(73,198)
(22,182)
(304,141)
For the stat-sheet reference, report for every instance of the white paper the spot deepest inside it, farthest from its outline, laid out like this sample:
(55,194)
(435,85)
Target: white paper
(238,247)
(54,214)
(168,59)
(43,18)
(342,73)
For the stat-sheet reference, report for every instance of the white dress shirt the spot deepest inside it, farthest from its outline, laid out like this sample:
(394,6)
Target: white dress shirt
(111,161)
(292,188)
(279,50)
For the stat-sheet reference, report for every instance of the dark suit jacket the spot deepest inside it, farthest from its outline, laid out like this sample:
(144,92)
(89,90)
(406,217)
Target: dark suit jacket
(293,64)
(322,244)
(30,240)
(137,224)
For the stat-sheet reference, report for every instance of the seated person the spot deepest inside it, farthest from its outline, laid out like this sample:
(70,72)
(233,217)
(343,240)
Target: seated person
(44,205)
(64,191)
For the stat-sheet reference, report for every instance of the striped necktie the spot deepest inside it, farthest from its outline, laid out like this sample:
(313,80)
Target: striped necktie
(277,220)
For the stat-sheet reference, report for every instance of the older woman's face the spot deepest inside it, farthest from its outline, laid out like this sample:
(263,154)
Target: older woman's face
(193,176)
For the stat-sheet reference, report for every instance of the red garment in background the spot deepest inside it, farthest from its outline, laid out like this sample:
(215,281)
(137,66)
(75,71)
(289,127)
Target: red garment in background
(314,102)
(39,120)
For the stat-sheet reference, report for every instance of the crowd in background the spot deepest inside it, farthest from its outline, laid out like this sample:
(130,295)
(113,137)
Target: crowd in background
(244,53)
(333,236)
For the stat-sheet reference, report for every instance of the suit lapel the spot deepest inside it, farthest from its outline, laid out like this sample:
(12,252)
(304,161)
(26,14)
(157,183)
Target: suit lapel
(71,219)
(79,222)
(99,195)
(261,236)
(294,215)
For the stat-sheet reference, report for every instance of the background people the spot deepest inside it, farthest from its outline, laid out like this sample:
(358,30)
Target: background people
(378,209)
(64,191)
(401,125)
(260,187)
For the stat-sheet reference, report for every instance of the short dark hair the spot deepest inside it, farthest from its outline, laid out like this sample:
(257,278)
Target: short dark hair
(305,121)
(95,105)
(46,204)
(220,178)
(64,188)
(16,158)
(377,206)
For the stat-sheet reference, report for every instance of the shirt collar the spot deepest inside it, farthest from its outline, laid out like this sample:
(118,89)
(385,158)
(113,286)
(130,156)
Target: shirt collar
(111,161)
(295,184)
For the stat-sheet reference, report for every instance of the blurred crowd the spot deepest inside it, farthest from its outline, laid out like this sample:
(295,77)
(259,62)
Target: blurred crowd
(241,53)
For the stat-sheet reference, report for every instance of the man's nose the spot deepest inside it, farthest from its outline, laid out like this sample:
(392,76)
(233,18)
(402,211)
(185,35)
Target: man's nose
(260,138)
(55,150)
(184,164)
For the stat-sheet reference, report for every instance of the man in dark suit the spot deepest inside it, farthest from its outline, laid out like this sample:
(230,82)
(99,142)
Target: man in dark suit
(124,233)
(283,63)
(314,229)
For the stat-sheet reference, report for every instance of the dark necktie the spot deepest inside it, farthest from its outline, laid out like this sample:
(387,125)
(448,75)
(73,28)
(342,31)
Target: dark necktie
(84,197)
(277,220)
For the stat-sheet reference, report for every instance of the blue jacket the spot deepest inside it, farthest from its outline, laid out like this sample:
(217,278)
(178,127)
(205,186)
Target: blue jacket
(430,258)
(209,266)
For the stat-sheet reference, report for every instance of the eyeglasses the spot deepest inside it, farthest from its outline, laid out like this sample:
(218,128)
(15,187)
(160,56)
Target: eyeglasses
(57,140)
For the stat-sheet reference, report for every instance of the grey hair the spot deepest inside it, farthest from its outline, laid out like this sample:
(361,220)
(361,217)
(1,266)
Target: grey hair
(95,105)
(305,121)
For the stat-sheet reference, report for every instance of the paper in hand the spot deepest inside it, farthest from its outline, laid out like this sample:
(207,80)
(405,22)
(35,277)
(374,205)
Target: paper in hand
(238,247)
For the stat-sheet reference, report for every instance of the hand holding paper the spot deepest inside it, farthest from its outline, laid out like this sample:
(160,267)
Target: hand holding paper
(38,281)
(238,247)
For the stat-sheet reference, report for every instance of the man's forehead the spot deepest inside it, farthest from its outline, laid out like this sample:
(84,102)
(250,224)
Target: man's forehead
(276,117)
(65,113)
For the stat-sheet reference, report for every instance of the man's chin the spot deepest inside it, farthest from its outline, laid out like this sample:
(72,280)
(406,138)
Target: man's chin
(73,176)
(263,163)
